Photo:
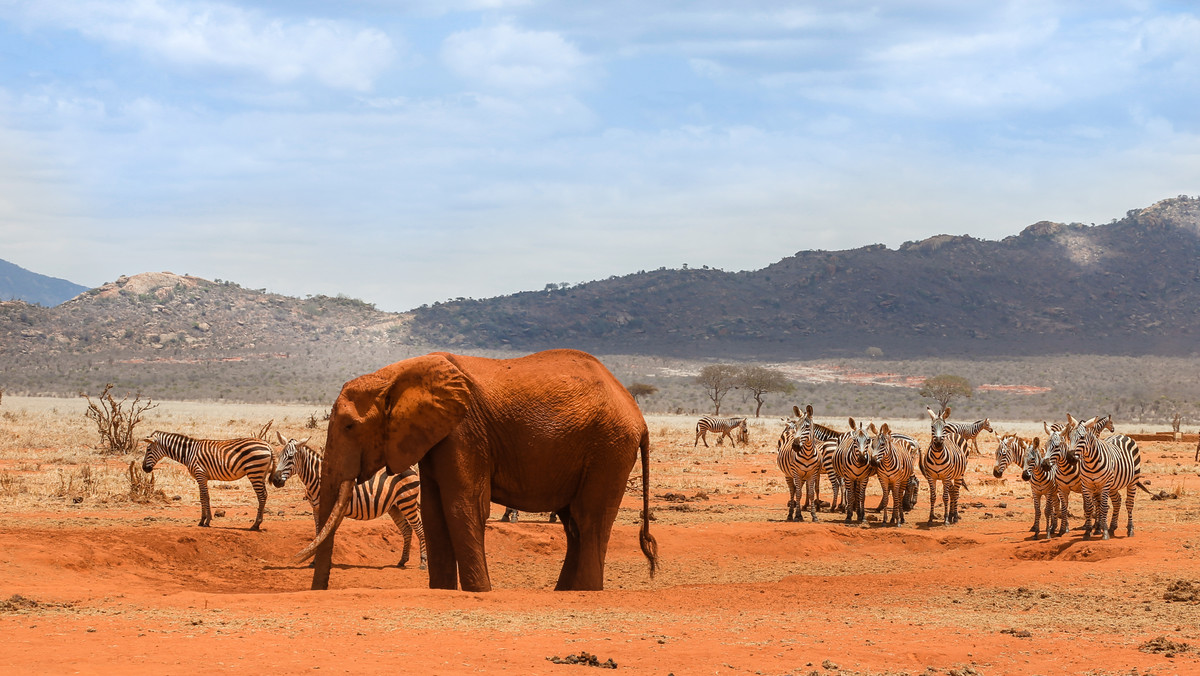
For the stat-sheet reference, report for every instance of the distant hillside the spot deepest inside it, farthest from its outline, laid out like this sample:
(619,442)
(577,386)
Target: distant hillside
(17,283)
(1127,287)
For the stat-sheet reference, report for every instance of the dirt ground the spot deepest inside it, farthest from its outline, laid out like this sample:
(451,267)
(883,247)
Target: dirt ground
(102,584)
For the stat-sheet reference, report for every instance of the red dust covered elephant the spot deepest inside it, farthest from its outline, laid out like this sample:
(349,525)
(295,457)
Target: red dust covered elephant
(550,432)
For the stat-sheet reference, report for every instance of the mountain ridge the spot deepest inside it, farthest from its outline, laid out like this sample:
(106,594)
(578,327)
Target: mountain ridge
(17,283)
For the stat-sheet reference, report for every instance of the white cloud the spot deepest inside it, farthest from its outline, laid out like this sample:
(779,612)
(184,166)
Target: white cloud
(507,57)
(204,34)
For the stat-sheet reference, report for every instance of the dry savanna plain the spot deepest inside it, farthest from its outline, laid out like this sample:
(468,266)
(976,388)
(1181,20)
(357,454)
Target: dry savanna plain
(95,579)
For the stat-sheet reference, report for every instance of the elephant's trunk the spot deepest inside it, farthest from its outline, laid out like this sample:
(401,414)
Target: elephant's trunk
(345,490)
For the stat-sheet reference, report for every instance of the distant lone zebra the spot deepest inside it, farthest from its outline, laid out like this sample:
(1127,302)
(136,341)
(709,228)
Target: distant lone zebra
(724,427)
(215,460)
(970,431)
(397,495)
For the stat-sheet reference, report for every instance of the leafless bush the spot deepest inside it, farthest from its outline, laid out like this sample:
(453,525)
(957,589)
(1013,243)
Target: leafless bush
(10,485)
(76,485)
(141,486)
(115,421)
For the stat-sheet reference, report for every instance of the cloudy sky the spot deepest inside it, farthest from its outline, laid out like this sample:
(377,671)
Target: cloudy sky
(411,152)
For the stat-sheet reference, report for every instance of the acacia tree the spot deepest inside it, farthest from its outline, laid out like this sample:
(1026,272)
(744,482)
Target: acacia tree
(761,381)
(641,390)
(717,380)
(944,388)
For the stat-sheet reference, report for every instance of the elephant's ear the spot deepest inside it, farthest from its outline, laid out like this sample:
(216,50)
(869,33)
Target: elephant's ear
(424,403)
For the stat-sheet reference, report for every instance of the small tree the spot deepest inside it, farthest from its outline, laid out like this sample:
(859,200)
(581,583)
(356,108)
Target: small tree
(944,388)
(874,352)
(760,381)
(641,390)
(717,380)
(114,421)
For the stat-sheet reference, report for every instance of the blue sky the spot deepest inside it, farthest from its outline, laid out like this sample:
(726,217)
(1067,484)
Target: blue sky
(411,152)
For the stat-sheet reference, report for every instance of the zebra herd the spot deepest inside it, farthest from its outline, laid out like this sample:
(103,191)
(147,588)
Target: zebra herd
(1075,459)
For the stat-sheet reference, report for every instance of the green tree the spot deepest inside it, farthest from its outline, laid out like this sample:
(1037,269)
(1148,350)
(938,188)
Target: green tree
(944,388)
(717,380)
(641,390)
(760,381)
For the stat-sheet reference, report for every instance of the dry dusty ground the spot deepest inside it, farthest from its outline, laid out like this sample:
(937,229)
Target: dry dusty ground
(91,582)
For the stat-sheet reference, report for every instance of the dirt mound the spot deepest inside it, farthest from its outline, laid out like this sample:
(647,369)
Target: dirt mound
(1072,549)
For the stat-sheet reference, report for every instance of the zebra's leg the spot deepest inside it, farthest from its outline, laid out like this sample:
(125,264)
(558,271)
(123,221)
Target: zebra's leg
(791,484)
(883,499)
(1130,494)
(260,491)
(1088,508)
(932,495)
(814,479)
(849,500)
(205,512)
(1037,515)
(1064,496)
(1100,512)
(1115,498)
(405,530)
(1051,511)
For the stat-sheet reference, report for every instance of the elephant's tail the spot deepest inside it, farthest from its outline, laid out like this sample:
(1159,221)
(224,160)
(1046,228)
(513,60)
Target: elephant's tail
(649,544)
(335,519)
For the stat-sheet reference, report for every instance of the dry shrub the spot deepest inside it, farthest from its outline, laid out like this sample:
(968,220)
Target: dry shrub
(141,486)
(115,422)
(78,484)
(11,485)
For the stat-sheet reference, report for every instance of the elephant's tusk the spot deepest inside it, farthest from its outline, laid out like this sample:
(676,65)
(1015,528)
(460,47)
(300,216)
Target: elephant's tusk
(335,519)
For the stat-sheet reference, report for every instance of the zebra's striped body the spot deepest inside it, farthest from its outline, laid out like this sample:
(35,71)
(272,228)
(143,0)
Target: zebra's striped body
(734,428)
(1106,467)
(969,432)
(1043,487)
(397,495)
(215,460)
(905,443)
(852,463)
(1010,450)
(798,455)
(893,463)
(1066,474)
(945,460)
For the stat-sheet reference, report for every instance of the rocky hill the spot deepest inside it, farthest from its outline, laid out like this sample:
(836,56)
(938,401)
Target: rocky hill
(1127,287)
(17,283)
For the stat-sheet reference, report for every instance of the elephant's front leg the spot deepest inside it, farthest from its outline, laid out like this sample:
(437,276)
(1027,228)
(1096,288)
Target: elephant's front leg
(443,568)
(466,504)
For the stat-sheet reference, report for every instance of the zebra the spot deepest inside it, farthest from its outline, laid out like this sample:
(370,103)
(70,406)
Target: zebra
(970,431)
(1107,466)
(734,428)
(913,448)
(945,460)
(1066,473)
(512,516)
(396,494)
(215,460)
(893,463)
(799,454)
(851,462)
(1042,484)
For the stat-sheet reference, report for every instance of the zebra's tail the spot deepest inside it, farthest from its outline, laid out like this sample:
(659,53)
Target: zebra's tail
(647,541)
(1142,482)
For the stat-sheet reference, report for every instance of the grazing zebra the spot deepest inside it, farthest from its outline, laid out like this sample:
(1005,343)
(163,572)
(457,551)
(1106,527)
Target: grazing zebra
(852,463)
(945,460)
(1106,467)
(1066,473)
(893,463)
(396,494)
(1043,485)
(724,427)
(215,460)
(970,431)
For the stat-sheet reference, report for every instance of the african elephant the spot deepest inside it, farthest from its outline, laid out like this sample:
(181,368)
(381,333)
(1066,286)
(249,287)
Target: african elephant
(549,432)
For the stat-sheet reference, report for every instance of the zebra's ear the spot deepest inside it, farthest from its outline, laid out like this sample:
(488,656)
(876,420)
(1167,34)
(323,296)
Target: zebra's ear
(871,429)
(279,436)
(946,413)
(1037,441)
(1046,427)
(1072,421)
(808,410)
(852,425)
(932,415)
(796,410)
(883,430)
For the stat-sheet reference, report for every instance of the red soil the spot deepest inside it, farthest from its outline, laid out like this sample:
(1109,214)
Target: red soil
(143,590)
